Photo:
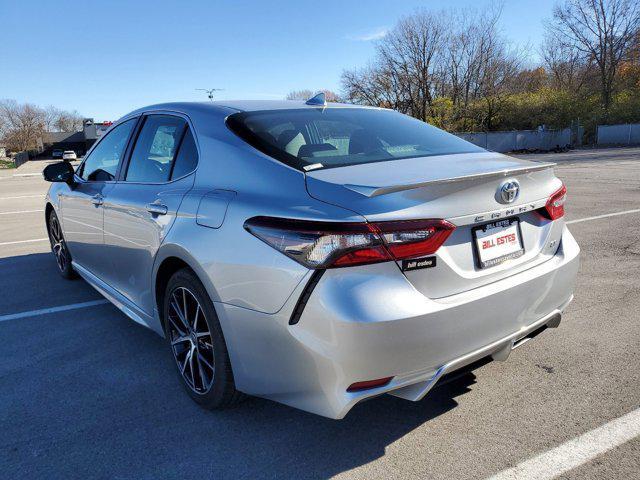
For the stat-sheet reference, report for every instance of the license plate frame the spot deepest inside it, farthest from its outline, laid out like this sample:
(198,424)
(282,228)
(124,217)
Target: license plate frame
(499,225)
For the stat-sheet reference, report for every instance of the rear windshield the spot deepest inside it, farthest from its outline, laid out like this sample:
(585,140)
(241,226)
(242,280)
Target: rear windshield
(308,139)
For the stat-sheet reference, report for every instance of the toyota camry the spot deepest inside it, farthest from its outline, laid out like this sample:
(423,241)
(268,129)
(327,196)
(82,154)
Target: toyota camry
(314,254)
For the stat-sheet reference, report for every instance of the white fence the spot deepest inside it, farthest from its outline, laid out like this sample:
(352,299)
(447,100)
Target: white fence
(531,140)
(626,134)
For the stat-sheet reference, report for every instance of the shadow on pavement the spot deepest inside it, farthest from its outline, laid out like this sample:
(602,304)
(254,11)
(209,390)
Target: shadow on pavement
(31,282)
(89,393)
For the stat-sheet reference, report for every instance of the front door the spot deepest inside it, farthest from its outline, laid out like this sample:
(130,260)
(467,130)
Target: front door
(81,207)
(142,206)
(82,221)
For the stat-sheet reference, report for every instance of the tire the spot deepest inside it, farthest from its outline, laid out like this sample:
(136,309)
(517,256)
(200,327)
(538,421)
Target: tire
(59,247)
(198,348)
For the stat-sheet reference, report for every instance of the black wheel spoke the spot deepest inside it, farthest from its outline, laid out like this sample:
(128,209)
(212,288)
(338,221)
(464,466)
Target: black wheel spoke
(183,369)
(205,361)
(179,326)
(191,341)
(203,377)
(58,245)
(179,312)
(191,370)
(185,312)
(180,339)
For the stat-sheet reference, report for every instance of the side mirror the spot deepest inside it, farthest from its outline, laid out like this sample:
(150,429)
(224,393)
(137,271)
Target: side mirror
(59,172)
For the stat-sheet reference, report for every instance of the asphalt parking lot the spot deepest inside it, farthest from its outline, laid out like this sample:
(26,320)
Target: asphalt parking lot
(87,393)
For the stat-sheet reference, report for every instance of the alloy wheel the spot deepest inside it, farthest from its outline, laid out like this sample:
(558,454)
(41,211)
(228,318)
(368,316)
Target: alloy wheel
(58,245)
(191,340)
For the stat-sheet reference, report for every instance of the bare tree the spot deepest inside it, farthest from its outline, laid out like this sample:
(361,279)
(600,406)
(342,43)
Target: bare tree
(51,115)
(499,70)
(601,31)
(479,62)
(306,94)
(58,120)
(68,121)
(374,85)
(565,64)
(299,94)
(411,55)
(23,125)
(439,60)
(406,74)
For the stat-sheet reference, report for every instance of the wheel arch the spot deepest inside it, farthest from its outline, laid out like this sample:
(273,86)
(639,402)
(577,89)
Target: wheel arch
(170,259)
(47,211)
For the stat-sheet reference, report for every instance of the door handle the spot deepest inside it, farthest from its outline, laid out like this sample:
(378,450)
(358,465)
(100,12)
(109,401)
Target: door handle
(157,209)
(97,199)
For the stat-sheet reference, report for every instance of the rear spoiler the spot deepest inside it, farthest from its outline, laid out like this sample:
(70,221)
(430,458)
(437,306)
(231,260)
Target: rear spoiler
(374,191)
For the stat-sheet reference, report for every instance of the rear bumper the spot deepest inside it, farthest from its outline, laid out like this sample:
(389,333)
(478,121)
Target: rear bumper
(370,322)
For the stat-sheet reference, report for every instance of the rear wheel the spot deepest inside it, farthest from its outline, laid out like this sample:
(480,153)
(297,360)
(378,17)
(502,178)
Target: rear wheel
(197,342)
(59,247)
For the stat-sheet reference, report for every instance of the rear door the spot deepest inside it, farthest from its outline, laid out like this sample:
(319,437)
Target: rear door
(81,206)
(142,206)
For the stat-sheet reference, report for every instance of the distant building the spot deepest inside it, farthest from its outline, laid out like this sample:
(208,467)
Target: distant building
(79,142)
(101,128)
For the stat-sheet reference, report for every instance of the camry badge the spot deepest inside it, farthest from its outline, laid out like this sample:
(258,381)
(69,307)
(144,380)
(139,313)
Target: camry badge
(509,191)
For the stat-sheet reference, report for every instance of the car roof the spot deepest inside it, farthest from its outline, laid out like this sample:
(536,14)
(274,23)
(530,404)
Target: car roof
(257,105)
(238,106)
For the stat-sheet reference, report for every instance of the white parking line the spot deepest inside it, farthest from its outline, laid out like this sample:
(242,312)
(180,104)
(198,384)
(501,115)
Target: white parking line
(44,311)
(20,211)
(22,196)
(24,241)
(27,174)
(577,451)
(597,217)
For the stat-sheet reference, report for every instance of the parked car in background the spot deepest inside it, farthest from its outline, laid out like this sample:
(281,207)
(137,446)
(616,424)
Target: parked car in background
(69,155)
(57,153)
(315,254)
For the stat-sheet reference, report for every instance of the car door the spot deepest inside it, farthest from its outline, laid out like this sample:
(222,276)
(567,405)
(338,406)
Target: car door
(81,206)
(142,206)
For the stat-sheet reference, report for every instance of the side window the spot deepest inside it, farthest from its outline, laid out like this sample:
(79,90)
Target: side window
(155,149)
(187,159)
(102,162)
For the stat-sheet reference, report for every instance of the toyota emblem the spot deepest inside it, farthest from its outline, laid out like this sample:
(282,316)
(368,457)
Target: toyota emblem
(509,191)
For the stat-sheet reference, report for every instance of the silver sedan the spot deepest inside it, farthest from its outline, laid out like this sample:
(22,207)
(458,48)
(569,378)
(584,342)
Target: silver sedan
(314,254)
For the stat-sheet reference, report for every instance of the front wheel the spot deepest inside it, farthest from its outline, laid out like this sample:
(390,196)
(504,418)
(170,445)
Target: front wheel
(59,247)
(197,343)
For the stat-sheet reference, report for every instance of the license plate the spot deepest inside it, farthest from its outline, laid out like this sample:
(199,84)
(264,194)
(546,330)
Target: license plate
(498,242)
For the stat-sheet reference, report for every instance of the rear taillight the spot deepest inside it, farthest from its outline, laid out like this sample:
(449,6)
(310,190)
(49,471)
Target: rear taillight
(554,208)
(320,245)
(414,238)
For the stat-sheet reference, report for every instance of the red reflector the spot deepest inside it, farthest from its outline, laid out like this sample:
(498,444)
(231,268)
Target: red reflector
(358,386)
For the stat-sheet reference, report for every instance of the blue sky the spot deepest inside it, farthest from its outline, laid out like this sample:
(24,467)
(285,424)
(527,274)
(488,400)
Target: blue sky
(106,58)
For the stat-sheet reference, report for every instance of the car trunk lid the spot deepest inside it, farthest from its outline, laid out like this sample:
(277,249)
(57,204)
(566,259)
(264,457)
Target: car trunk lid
(461,188)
